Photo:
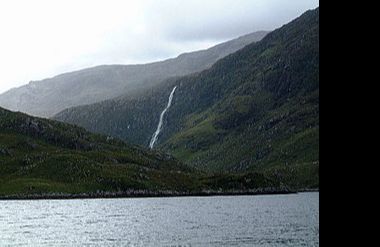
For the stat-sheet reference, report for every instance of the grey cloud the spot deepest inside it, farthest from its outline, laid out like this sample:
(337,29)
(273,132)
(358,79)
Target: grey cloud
(157,30)
(173,27)
(223,19)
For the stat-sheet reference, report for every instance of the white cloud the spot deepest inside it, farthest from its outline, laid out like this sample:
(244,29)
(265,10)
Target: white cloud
(42,38)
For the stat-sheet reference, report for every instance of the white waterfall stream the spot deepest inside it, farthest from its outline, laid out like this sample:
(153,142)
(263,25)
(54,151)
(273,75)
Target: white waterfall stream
(159,127)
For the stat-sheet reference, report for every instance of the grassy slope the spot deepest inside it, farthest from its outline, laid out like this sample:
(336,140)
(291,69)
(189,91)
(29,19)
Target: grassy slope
(256,110)
(268,119)
(42,156)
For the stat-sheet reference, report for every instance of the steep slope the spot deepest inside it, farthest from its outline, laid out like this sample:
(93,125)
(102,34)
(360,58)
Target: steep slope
(255,110)
(48,97)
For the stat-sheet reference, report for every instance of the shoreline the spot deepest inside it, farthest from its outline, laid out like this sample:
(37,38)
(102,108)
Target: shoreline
(151,194)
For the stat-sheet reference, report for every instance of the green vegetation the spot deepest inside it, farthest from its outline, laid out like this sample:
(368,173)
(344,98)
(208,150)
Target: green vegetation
(255,111)
(261,112)
(40,157)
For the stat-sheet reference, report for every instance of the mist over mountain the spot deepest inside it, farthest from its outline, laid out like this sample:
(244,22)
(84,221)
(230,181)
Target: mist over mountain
(254,110)
(50,96)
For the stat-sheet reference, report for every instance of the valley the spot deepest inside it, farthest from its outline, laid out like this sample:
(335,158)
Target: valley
(255,110)
(239,118)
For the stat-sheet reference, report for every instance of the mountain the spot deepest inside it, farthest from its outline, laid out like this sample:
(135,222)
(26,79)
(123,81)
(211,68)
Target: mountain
(254,110)
(48,97)
(42,158)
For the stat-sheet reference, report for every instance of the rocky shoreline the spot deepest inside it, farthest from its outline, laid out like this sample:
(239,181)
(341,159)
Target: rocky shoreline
(147,194)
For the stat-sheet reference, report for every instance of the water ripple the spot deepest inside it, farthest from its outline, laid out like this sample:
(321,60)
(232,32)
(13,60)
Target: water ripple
(286,220)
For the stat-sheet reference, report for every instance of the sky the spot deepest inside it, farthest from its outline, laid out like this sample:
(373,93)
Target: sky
(43,38)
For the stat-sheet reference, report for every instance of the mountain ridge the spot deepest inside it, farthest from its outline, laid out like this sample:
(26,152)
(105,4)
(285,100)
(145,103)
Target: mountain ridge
(47,97)
(254,110)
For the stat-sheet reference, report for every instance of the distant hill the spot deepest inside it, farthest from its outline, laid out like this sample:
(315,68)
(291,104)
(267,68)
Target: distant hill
(254,110)
(48,97)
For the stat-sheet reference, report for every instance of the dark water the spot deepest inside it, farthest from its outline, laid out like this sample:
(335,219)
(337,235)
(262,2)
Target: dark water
(279,220)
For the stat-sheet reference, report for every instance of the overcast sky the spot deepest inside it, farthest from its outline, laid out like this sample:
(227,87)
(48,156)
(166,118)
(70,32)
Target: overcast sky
(43,38)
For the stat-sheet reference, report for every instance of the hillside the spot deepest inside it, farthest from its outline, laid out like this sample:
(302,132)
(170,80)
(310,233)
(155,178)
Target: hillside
(48,97)
(255,110)
(41,158)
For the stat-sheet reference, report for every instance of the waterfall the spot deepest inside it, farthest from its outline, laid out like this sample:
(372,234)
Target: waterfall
(159,127)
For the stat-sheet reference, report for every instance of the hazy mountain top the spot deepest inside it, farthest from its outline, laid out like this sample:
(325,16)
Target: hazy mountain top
(50,96)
